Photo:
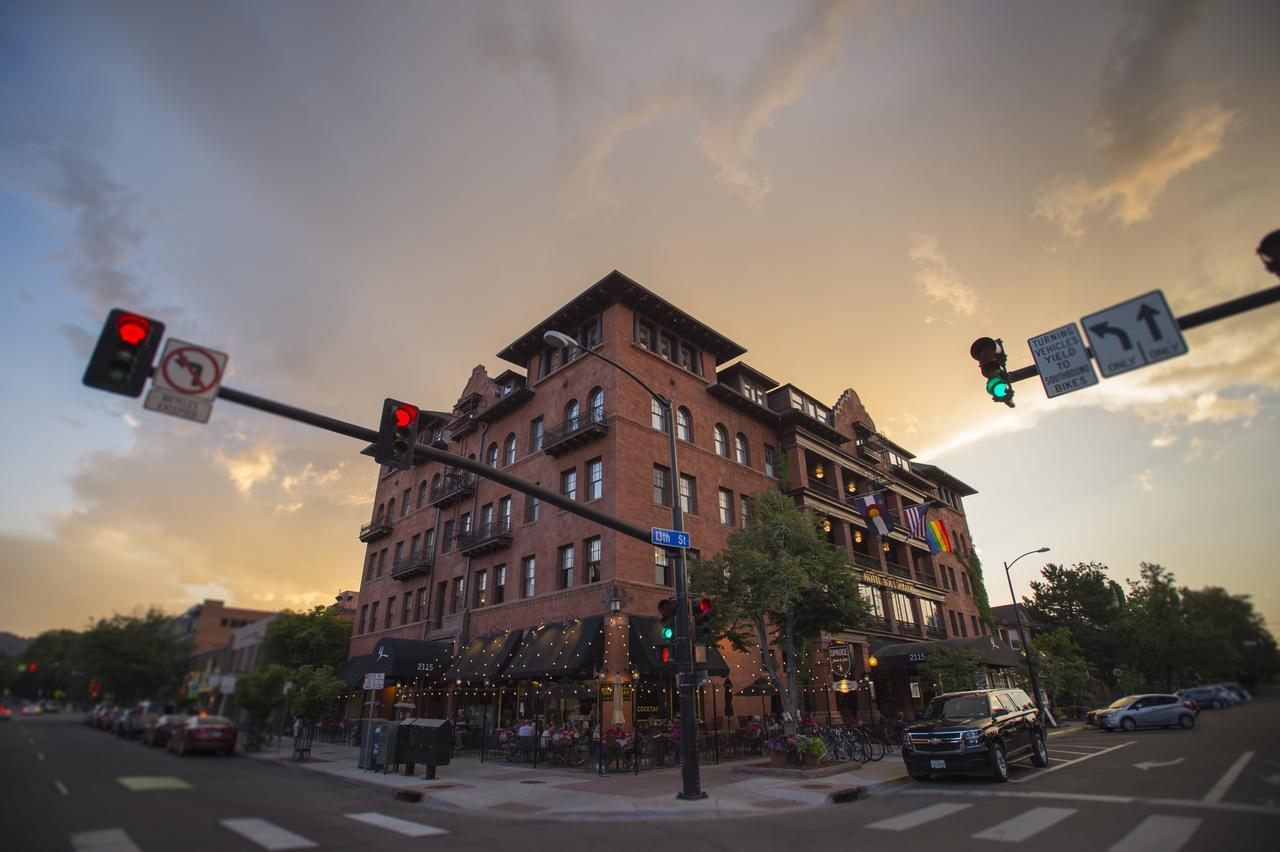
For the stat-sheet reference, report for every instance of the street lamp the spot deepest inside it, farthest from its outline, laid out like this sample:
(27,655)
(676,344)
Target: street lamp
(1026,648)
(691,784)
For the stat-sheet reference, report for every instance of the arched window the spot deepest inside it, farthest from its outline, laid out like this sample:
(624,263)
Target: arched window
(722,441)
(391,509)
(571,414)
(595,404)
(377,516)
(422,495)
(435,484)
(509,450)
(684,424)
(657,415)
(740,449)
(492,458)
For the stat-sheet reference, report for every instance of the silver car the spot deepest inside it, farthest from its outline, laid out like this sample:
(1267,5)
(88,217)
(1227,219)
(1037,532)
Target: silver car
(1144,711)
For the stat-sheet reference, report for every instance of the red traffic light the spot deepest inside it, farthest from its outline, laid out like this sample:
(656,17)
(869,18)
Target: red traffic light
(703,606)
(31,667)
(666,655)
(132,328)
(406,414)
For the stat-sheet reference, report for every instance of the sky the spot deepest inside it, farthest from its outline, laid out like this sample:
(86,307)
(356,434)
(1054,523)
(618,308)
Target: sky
(366,200)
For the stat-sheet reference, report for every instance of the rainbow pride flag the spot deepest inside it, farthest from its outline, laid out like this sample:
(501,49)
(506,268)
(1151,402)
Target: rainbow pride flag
(937,536)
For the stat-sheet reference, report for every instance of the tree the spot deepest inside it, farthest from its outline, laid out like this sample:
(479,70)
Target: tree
(1084,601)
(133,657)
(260,692)
(1234,643)
(314,692)
(951,667)
(316,638)
(1154,637)
(1064,676)
(778,583)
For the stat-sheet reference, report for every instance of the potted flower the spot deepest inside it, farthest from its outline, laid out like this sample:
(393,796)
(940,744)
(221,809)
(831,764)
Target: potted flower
(505,735)
(812,750)
(562,738)
(780,748)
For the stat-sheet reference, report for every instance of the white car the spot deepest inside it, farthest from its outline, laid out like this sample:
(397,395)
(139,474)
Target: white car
(1143,711)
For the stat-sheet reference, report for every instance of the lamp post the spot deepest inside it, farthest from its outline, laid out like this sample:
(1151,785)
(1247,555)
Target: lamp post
(1022,634)
(691,783)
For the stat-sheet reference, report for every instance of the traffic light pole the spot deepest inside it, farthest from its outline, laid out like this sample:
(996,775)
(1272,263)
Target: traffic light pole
(1204,316)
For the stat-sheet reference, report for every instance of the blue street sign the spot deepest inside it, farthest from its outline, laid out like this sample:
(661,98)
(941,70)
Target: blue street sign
(669,538)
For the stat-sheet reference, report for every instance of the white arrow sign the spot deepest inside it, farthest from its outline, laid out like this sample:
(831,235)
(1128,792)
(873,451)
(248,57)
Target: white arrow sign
(1152,764)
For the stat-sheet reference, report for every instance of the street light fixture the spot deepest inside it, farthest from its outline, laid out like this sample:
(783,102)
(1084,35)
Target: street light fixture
(1026,648)
(691,784)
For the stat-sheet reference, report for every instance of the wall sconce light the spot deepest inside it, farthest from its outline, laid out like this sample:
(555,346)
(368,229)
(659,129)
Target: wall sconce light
(857,536)
(885,547)
(826,525)
(851,487)
(818,472)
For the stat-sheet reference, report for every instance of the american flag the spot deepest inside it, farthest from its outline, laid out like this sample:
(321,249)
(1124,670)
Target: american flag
(915,518)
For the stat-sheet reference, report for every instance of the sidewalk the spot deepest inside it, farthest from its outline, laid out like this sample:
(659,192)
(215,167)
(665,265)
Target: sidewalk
(515,790)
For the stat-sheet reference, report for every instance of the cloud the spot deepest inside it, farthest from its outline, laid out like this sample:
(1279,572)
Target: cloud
(729,115)
(1145,131)
(1164,439)
(248,468)
(309,477)
(935,275)
(1142,481)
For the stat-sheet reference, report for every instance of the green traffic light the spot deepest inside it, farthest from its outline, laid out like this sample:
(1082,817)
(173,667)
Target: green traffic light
(667,632)
(999,387)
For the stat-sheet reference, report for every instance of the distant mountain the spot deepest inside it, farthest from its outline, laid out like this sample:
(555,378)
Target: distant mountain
(12,644)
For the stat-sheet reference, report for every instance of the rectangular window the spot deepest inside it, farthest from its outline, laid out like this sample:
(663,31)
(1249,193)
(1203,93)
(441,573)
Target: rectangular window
(373,617)
(459,586)
(964,579)
(933,614)
(364,617)
(688,494)
(442,591)
(973,619)
(726,507)
(486,519)
(413,546)
(595,479)
(569,483)
(408,608)
(531,509)
(661,567)
(657,415)
(504,514)
(955,630)
(382,561)
(661,485)
(565,562)
(902,608)
(499,583)
(768,461)
(373,561)
(420,612)
(646,336)
(422,495)
(429,543)
(592,549)
(399,553)
(391,613)
(464,524)
(875,603)
(745,503)
(589,334)
(535,435)
(447,544)
(528,575)
(689,359)
(404,503)
(665,346)
(482,589)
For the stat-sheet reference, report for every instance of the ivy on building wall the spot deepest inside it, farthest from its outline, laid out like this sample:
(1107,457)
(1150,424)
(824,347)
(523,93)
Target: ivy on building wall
(974,564)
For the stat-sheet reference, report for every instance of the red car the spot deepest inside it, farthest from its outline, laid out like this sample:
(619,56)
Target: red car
(203,733)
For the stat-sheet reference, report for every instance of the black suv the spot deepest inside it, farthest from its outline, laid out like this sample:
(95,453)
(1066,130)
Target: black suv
(979,732)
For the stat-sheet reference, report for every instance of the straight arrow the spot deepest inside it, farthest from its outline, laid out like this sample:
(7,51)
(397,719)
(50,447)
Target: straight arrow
(1147,314)
(1152,764)
(1104,328)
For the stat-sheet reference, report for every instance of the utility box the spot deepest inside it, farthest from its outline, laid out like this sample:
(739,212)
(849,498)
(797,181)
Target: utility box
(430,741)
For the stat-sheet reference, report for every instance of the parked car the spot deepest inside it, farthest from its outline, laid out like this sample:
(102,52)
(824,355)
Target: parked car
(976,732)
(1209,697)
(123,724)
(1144,711)
(158,731)
(51,707)
(112,720)
(6,714)
(203,733)
(1241,694)
(142,716)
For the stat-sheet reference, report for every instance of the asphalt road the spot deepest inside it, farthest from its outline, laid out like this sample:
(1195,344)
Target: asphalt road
(1217,787)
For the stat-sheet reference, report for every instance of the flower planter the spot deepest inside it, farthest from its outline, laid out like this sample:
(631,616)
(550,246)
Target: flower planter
(811,760)
(779,758)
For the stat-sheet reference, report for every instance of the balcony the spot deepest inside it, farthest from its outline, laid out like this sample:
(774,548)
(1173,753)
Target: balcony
(935,632)
(452,488)
(375,530)
(928,578)
(512,398)
(412,566)
(876,622)
(870,453)
(486,539)
(862,560)
(906,628)
(822,488)
(572,434)
(898,570)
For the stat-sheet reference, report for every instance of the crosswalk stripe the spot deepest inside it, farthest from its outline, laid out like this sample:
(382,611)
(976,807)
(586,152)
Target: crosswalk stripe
(917,817)
(1158,834)
(1025,825)
(266,834)
(400,826)
(106,840)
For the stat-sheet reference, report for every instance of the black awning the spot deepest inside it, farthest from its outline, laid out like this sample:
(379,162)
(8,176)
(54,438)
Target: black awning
(903,655)
(570,650)
(406,659)
(485,657)
(352,672)
(642,643)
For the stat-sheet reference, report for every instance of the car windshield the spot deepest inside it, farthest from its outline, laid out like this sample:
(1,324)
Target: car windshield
(960,707)
(1122,702)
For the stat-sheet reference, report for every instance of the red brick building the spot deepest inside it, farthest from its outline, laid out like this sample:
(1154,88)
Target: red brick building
(555,598)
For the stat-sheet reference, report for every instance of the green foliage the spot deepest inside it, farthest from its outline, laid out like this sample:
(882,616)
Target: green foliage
(1155,640)
(260,692)
(979,583)
(315,638)
(1083,601)
(133,657)
(811,745)
(314,693)
(1063,672)
(951,667)
(1232,639)
(779,584)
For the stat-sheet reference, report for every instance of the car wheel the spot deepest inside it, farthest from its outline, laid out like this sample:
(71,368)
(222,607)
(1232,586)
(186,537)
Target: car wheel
(1187,721)
(999,765)
(1039,753)
(919,776)
(1128,724)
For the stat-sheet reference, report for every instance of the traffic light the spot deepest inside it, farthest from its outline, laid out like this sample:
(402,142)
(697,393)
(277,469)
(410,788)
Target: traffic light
(397,434)
(667,627)
(702,608)
(991,360)
(121,362)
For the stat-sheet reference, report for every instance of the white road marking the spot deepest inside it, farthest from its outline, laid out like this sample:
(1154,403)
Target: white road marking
(62,788)
(266,834)
(400,826)
(106,840)
(1225,807)
(1159,834)
(1229,777)
(1058,748)
(40,756)
(1069,763)
(1025,825)
(917,817)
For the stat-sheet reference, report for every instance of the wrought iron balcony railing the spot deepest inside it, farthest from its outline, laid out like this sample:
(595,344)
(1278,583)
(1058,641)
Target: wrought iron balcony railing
(414,565)
(375,530)
(486,539)
(452,488)
(575,432)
